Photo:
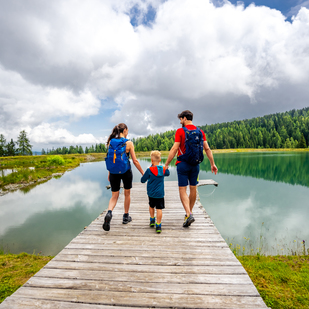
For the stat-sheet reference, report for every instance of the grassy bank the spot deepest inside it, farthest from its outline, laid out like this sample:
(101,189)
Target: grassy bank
(33,169)
(16,269)
(282,281)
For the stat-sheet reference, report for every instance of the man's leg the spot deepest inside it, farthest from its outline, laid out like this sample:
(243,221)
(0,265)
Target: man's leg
(192,197)
(185,200)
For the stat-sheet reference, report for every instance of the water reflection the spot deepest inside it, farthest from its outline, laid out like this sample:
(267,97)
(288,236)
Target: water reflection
(248,203)
(51,214)
(288,167)
(272,214)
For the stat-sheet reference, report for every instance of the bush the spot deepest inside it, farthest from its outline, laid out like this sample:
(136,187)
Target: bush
(55,160)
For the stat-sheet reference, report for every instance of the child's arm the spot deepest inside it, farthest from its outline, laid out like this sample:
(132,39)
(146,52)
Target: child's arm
(167,172)
(145,176)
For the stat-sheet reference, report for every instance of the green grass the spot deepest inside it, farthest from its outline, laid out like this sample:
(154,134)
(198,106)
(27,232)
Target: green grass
(44,166)
(16,269)
(282,281)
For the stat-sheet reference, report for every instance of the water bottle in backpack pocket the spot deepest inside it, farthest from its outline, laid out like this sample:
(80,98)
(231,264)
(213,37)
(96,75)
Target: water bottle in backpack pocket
(117,160)
(194,147)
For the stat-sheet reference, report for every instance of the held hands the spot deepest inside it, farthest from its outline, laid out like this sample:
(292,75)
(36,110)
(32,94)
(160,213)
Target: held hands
(214,169)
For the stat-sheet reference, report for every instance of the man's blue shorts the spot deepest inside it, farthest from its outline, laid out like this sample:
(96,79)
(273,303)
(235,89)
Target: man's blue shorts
(187,173)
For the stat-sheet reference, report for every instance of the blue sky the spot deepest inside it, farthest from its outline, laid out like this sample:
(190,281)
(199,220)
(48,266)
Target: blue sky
(69,73)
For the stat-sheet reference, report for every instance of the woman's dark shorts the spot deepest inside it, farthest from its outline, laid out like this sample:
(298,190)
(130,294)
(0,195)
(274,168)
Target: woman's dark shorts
(157,203)
(126,178)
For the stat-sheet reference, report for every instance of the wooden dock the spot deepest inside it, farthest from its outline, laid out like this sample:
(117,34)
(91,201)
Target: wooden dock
(132,266)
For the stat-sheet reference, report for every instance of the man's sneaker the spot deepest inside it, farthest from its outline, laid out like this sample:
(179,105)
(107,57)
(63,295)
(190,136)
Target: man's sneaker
(126,219)
(188,221)
(152,222)
(107,220)
(158,228)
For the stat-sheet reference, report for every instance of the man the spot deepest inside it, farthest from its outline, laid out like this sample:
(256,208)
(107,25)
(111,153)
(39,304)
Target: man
(188,173)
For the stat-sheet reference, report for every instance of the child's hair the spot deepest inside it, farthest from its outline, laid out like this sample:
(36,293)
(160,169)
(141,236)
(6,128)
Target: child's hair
(155,155)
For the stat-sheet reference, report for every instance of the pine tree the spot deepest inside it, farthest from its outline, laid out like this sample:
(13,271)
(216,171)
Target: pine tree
(302,142)
(10,148)
(2,145)
(24,147)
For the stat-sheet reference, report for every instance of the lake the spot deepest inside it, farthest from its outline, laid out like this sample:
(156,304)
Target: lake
(261,204)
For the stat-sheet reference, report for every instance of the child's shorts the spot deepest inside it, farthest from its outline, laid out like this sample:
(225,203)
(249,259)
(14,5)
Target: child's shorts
(156,202)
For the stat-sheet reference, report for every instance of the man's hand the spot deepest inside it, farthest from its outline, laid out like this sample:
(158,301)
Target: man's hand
(214,169)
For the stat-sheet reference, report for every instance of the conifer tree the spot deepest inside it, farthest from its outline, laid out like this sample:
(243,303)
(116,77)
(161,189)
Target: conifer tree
(2,145)
(302,142)
(10,148)
(23,142)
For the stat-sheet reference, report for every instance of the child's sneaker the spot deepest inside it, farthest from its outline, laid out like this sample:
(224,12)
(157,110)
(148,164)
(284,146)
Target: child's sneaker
(158,228)
(152,221)
(107,220)
(188,221)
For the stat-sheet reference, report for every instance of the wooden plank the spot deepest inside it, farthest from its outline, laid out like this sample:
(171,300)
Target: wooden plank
(221,269)
(208,253)
(32,303)
(142,299)
(144,287)
(144,276)
(146,260)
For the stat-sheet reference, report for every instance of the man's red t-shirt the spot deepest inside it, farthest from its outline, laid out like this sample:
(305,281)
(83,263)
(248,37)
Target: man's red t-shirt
(180,136)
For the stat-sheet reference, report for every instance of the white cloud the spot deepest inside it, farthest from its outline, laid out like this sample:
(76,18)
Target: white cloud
(46,133)
(226,62)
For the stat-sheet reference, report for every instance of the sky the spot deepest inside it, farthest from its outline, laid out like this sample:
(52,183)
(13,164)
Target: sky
(71,70)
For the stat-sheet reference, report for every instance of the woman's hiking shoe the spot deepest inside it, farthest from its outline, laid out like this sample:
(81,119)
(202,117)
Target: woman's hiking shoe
(107,220)
(188,221)
(158,228)
(126,219)
(152,222)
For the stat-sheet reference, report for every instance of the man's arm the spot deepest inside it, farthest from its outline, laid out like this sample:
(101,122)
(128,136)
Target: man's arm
(210,157)
(172,153)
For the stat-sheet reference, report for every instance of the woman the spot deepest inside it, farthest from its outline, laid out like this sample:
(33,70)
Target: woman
(118,137)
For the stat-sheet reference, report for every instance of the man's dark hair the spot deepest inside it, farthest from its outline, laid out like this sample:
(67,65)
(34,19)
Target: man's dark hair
(186,114)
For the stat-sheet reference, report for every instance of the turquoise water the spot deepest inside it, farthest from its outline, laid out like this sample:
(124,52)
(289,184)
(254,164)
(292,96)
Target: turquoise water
(261,196)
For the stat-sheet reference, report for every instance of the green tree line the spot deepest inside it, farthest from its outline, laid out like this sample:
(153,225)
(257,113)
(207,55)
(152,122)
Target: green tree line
(98,148)
(281,130)
(21,148)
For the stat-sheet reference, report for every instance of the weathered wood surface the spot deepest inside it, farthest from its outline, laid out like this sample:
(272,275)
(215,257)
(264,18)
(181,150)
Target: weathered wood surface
(133,267)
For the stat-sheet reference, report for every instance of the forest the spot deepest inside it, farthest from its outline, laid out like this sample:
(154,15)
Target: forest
(281,130)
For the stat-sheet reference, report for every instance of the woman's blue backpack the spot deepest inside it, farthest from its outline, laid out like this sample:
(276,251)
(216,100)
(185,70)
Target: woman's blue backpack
(117,161)
(194,147)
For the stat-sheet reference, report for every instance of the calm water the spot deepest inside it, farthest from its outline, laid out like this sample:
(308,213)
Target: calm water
(261,196)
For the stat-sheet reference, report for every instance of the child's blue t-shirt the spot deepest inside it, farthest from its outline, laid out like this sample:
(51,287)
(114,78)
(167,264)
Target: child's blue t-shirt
(155,176)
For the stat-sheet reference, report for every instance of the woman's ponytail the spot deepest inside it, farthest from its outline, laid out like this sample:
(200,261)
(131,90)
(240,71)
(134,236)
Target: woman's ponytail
(116,131)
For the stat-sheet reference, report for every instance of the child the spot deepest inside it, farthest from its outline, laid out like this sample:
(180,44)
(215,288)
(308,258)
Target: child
(155,188)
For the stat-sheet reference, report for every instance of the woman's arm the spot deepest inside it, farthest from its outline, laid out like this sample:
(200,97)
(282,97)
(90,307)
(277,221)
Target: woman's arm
(130,148)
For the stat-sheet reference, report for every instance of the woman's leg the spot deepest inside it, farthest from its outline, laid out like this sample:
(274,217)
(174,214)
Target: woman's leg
(113,201)
(127,200)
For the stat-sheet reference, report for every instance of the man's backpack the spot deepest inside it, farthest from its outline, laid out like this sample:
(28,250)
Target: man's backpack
(117,161)
(194,147)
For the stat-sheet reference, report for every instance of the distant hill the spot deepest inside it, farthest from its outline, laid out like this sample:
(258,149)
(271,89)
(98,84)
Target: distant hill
(281,130)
